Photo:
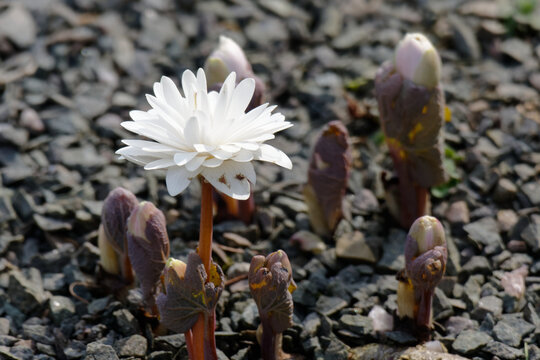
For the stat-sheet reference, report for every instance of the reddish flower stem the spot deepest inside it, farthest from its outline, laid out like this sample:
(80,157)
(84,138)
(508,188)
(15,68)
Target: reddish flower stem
(205,230)
(204,343)
(412,197)
(271,343)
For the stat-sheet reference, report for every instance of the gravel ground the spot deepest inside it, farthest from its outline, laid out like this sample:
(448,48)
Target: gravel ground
(72,69)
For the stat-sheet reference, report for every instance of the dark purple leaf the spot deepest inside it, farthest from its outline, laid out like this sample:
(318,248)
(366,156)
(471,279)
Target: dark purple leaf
(271,285)
(117,207)
(188,293)
(328,176)
(411,117)
(148,247)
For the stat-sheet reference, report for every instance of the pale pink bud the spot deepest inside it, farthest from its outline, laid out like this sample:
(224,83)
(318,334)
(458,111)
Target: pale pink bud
(417,60)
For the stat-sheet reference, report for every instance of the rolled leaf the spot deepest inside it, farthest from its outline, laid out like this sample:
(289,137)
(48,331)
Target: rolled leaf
(117,207)
(425,263)
(328,175)
(411,107)
(148,247)
(189,295)
(271,285)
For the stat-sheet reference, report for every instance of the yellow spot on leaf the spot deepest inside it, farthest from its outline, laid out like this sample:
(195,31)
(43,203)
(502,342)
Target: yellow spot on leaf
(258,285)
(424,110)
(412,134)
(447,114)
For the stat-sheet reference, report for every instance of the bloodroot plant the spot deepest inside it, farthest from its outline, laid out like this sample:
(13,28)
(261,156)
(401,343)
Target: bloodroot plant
(425,264)
(207,136)
(148,249)
(411,107)
(271,285)
(328,175)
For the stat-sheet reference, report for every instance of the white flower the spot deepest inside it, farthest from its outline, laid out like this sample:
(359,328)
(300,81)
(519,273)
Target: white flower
(205,133)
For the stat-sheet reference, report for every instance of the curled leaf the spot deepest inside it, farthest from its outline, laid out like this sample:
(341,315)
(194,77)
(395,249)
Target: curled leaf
(328,176)
(189,292)
(411,117)
(271,284)
(148,247)
(117,207)
(425,253)
(425,264)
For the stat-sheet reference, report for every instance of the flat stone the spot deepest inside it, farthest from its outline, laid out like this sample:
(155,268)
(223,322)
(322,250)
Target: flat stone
(502,351)
(308,242)
(532,191)
(505,190)
(488,304)
(401,337)
(506,334)
(531,235)
(18,25)
(291,206)
(125,321)
(169,342)
(506,219)
(61,308)
(135,345)
(393,259)
(469,341)
(458,213)
(50,224)
(328,305)
(477,265)
(353,246)
(358,324)
(517,49)
(464,38)
(99,351)
(485,233)
(27,293)
(515,92)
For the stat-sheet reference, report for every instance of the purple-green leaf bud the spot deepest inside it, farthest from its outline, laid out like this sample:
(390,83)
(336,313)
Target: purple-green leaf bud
(417,60)
(425,264)
(229,57)
(117,207)
(148,247)
(425,252)
(271,284)
(189,291)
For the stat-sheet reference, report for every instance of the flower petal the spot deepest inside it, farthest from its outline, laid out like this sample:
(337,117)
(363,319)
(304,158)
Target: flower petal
(191,131)
(212,162)
(177,180)
(159,164)
(273,155)
(241,97)
(182,158)
(231,178)
(243,156)
(195,163)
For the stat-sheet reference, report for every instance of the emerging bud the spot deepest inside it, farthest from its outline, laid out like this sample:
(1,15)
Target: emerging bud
(178,267)
(117,207)
(189,291)
(417,60)
(148,247)
(271,285)
(229,57)
(411,108)
(425,263)
(226,58)
(328,175)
